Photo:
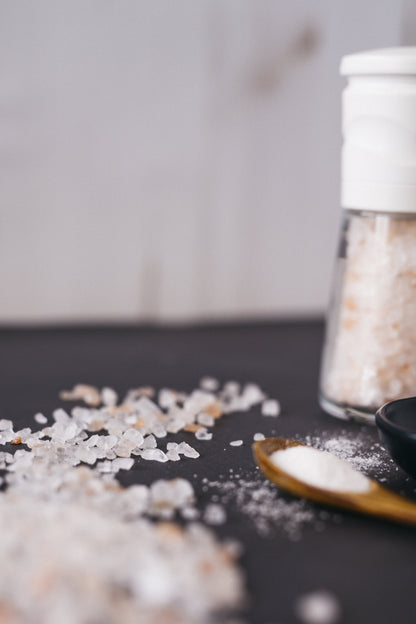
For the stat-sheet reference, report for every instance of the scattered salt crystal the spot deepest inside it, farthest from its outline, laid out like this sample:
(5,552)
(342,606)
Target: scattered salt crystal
(147,407)
(185,449)
(203,434)
(134,436)
(236,443)
(40,418)
(209,383)
(136,393)
(214,514)
(154,454)
(131,420)
(23,434)
(149,442)
(70,431)
(258,436)
(138,497)
(109,397)
(320,469)
(92,441)
(124,448)
(319,607)
(159,430)
(6,435)
(85,455)
(105,466)
(114,427)
(122,464)
(89,394)
(175,425)
(271,407)
(252,394)
(197,401)
(166,496)
(190,513)
(205,419)
(167,398)
(61,416)
(173,455)
(231,388)
(106,441)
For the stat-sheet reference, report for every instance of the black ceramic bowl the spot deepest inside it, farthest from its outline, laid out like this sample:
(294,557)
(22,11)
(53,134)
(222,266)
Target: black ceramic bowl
(396,422)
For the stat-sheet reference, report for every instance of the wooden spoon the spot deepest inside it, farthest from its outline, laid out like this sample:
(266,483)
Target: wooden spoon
(377,501)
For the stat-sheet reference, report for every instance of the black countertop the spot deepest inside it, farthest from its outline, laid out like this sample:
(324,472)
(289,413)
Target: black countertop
(367,563)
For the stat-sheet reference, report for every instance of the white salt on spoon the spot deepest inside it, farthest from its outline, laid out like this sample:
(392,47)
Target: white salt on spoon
(320,469)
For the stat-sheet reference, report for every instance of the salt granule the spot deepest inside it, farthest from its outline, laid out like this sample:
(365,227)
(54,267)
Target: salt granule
(40,418)
(252,394)
(122,463)
(231,389)
(109,397)
(134,436)
(159,430)
(167,398)
(236,443)
(319,607)
(271,407)
(205,419)
(203,434)
(320,469)
(258,436)
(187,450)
(136,393)
(173,455)
(82,392)
(215,514)
(190,513)
(154,455)
(149,442)
(171,495)
(209,383)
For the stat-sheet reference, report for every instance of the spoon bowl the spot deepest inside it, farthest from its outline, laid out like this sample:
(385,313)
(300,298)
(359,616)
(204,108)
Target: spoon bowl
(376,501)
(396,423)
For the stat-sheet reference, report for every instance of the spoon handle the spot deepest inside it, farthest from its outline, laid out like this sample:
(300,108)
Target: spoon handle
(386,504)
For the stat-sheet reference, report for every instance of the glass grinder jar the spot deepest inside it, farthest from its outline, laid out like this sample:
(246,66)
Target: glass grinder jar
(369,354)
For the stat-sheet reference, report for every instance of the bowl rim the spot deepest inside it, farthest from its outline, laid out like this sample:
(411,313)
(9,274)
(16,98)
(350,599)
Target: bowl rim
(386,424)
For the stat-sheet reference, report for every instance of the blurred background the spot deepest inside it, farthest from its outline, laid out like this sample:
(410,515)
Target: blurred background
(174,161)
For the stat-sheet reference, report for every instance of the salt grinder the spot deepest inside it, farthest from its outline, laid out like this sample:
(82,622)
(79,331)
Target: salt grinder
(369,354)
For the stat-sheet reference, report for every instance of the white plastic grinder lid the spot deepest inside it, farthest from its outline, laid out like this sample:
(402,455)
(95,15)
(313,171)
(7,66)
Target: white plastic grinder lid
(378,170)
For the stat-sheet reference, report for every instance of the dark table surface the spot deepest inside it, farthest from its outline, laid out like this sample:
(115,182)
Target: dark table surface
(369,564)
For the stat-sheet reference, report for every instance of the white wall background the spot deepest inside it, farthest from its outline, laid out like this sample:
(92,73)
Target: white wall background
(173,160)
